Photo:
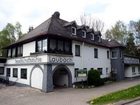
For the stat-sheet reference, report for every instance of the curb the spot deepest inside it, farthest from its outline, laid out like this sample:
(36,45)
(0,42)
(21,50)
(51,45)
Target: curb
(131,101)
(127,101)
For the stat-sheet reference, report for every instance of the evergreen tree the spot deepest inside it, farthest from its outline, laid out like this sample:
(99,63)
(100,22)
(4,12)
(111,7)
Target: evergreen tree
(130,46)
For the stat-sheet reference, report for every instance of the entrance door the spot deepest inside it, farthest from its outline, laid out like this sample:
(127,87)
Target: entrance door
(37,78)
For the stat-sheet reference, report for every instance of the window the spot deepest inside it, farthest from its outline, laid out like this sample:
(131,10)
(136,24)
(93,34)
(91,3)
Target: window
(95,53)
(114,54)
(19,51)
(76,70)
(83,34)
(9,52)
(15,72)
(92,36)
(13,52)
(24,73)
(52,44)
(1,70)
(99,38)
(73,31)
(108,54)
(120,54)
(67,46)
(44,45)
(60,45)
(107,71)
(100,70)
(77,50)
(139,69)
(85,69)
(8,72)
(133,70)
(41,45)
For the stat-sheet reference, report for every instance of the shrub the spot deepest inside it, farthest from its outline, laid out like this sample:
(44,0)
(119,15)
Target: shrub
(94,78)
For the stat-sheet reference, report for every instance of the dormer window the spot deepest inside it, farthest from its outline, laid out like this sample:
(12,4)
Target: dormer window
(92,36)
(83,33)
(73,31)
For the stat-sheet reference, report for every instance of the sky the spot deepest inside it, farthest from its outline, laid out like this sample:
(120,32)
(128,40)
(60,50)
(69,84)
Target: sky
(34,12)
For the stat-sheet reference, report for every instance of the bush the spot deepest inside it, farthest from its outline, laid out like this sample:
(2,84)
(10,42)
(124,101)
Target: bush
(94,78)
(107,79)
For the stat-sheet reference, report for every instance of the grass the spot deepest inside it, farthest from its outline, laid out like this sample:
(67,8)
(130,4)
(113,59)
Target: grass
(125,94)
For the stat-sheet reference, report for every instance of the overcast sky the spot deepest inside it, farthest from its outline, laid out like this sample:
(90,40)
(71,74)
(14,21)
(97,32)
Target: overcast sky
(34,12)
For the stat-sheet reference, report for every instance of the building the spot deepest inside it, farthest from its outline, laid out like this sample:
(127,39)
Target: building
(59,53)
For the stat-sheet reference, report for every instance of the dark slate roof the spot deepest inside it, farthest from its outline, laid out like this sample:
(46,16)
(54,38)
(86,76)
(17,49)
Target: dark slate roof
(58,27)
(112,43)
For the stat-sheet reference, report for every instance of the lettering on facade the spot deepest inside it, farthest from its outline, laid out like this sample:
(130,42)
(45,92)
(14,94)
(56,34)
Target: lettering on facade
(130,60)
(28,60)
(55,59)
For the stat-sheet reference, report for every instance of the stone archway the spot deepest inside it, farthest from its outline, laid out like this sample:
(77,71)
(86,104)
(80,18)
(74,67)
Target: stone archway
(62,76)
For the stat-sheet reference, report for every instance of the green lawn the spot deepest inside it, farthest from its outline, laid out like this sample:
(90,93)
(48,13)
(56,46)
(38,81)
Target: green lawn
(129,93)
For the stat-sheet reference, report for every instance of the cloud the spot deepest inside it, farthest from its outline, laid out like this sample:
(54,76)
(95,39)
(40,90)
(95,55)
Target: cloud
(124,10)
(31,12)
(34,12)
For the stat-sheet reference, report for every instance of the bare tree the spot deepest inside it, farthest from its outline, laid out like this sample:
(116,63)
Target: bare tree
(95,24)
(98,25)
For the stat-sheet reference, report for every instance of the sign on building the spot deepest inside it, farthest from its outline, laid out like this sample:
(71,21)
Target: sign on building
(28,60)
(60,59)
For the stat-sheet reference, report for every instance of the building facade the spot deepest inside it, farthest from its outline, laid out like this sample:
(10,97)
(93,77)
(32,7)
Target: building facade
(58,53)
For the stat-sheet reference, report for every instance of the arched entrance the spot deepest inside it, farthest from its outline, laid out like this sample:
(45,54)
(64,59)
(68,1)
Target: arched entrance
(62,77)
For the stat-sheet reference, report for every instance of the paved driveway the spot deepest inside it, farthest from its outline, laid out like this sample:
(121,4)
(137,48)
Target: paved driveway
(27,96)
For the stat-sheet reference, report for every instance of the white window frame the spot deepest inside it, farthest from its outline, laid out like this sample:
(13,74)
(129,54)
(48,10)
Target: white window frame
(107,71)
(100,70)
(97,56)
(74,30)
(83,33)
(9,52)
(112,54)
(108,54)
(99,38)
(92,36)
(138,69)
(78,55)
(133,70)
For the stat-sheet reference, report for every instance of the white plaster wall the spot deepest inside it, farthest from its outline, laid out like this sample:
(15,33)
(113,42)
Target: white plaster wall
(128,72)
(19,79)
(28,48)
(87,60)
(1,64)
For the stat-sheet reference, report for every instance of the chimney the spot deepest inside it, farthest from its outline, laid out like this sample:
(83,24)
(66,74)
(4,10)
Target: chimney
(56,15)
(31,28)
